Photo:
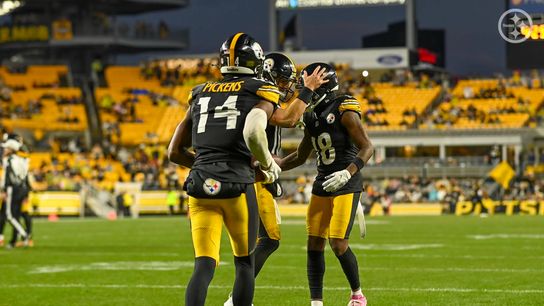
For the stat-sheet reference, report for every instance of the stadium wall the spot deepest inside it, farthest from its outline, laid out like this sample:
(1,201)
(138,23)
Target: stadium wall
(154,202)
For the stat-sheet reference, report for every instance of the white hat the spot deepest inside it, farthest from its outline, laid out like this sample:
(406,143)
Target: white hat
(11,144)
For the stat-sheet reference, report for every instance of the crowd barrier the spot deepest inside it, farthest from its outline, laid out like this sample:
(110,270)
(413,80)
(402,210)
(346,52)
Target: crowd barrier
(154,202)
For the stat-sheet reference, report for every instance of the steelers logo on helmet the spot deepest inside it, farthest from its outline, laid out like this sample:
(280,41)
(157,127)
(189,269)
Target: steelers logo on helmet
(330,118)
(268,64)
(211,186)
(259,53)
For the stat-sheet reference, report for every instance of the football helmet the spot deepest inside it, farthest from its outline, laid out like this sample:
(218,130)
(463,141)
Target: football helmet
(241,54)
(280,70)
(17,137)
(324,90)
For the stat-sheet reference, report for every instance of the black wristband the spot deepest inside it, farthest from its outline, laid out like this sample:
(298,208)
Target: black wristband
(305,95)
(359,163)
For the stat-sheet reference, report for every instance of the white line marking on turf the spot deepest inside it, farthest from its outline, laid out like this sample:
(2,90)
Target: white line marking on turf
(507,236)
(405,289)
(303,222)
(394,247)
(455,269)
(117,266)
(125,254)
(425,256)
(508,270)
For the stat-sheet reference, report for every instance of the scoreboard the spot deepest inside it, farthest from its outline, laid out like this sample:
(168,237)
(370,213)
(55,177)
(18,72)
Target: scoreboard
(528,54)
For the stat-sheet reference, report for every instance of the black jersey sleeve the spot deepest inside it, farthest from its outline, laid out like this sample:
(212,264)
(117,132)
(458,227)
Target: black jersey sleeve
(194,92)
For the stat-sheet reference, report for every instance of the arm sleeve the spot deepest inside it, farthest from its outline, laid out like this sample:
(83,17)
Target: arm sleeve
(255,136)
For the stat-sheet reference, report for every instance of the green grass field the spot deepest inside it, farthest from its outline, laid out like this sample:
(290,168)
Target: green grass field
(404,261)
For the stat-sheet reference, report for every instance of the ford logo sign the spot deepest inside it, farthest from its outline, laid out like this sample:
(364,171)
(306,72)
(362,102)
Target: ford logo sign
(389,60)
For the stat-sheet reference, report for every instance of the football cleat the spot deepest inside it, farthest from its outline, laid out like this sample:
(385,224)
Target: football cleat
(357,300)
(229,302)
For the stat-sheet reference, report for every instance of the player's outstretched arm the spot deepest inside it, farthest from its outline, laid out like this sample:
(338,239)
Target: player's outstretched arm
(352,122)
(289,116)
(178,149)
(257,142)
(298,157)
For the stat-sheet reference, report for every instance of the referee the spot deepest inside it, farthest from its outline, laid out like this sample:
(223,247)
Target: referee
(13,185)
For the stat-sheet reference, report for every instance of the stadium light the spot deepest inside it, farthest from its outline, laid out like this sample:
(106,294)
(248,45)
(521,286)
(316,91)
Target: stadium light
(8,6)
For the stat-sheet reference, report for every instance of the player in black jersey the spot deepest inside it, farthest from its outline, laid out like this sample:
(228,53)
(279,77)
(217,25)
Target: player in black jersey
(334,130)
(223,116)
(279,70)
(226,126)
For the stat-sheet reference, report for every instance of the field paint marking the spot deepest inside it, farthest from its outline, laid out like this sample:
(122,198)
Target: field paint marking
(303,222)
(405,289)
(426,256)
(391,247)
(139,254)
(117,266)
(506,236)
(458,269)
(177,265)
(394,247)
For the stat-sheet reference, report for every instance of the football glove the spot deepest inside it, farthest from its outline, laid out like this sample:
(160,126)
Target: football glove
(336,180)
(272,173)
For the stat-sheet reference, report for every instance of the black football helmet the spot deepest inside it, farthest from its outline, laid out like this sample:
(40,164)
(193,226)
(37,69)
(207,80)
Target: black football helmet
(324,90)
(280,70)
(17,137)
(241,54)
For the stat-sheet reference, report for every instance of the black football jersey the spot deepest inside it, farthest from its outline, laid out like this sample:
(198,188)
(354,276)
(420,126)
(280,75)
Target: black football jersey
(273,135)
(332,144)
(218,112)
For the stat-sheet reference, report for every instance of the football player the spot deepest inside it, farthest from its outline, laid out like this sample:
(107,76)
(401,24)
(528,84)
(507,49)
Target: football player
(334,130)
(225,126)
(281,71)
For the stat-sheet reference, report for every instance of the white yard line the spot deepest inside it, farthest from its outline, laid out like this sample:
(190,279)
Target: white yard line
(404,289)
(400,269)
(506,236)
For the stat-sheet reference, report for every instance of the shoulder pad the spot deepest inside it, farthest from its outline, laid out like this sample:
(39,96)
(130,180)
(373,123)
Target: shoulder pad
(264,89)
(194,92)
(348,103)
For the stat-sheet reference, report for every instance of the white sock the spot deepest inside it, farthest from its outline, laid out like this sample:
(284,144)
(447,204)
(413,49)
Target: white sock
(357,292)
(317,303)
(1,237)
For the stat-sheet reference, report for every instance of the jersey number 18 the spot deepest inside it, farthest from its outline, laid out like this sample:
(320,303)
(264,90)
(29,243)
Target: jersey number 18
(325,151)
